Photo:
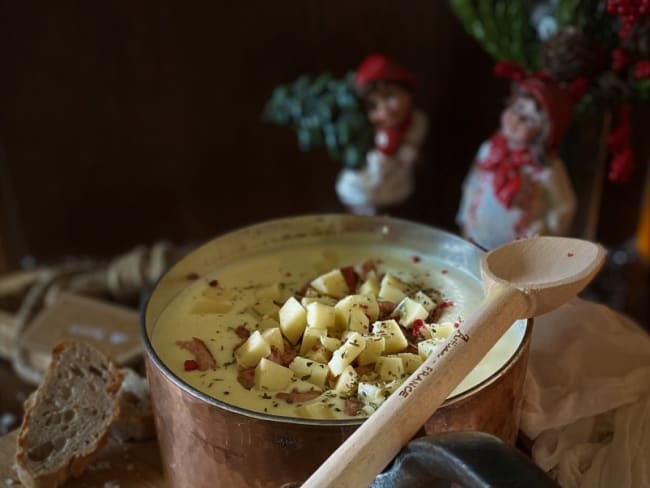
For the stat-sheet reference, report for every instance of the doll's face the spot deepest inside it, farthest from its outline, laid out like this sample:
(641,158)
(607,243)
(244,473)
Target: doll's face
(388,106)
(522,121)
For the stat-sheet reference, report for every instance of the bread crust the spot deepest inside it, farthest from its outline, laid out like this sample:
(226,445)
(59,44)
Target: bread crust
(76,463)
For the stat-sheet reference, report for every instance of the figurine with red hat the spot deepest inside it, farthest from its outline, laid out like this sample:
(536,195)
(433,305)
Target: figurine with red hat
(386,178)
(517,186)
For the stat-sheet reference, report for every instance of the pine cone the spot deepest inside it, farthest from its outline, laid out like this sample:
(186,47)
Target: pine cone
(567,55)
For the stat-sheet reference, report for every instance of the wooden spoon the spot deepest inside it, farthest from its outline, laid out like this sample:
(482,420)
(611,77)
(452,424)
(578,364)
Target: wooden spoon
(522,279)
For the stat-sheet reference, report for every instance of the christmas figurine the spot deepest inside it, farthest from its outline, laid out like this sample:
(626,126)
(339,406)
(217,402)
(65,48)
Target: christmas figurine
(386,178)
(517,186)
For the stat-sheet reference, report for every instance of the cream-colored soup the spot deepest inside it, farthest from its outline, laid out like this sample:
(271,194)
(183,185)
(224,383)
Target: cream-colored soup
(213,306)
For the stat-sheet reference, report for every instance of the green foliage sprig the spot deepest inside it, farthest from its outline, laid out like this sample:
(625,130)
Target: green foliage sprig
(324,111)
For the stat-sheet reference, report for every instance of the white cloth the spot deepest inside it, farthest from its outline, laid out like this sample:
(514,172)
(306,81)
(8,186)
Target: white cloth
(587,397)
(384,180)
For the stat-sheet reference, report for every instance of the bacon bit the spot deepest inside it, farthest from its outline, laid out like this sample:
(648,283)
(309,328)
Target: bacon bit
(352,406)
(412,348)
(288,355)
(190,365)
(298,396)
(385,308)
(570,254)
(275,356)
(367,266)
(446,304)
(202,354)
(242,332)
(418,326)
(246,378)
(366,368)
(444,271)
(213,283)
(351,277)
(192,276)
(416,259)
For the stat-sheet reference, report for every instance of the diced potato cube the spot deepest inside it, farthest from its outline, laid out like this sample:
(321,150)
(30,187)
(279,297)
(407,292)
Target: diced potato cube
(392,289)
(274,338)
(427,347)
(410,361)
(442,331)
(316,409)
(324,299)
(330,343)
(370,287)
(346,384)
(347,353)
(371,394)
(389,367)
(374,348)
(268,323)
(204,305)
(320,316)
(266,308)
(358,321)
(271,292)
(364,303)
(272,376)
(309,370)
(251,351)
(427,331)
(293,320)
(320,355)
(409,311)
(332,284)
(425,300)
(310,338)
(389,330)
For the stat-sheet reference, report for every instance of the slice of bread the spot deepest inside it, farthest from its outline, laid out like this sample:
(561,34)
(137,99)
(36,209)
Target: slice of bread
(68,418)
(135,422)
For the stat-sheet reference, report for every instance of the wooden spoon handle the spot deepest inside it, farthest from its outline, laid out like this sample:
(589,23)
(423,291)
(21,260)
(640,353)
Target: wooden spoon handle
(371,447)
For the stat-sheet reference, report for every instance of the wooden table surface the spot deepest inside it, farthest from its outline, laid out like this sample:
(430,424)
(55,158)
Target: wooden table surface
(127,465)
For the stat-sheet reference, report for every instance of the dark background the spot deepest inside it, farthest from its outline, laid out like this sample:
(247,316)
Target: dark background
(128,122)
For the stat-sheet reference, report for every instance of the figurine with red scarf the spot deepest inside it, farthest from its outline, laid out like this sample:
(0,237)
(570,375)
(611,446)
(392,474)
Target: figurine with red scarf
(386,179)
(517,186)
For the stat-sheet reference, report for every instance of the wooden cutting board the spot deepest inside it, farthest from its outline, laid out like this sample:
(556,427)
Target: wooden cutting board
(126,465)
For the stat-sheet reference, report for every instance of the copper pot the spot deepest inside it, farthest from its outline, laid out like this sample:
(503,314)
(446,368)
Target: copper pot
(206,442)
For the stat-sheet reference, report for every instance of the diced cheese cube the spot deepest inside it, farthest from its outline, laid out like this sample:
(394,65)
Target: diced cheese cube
(425,300)
(320,355)
(272,376)
(392,289)
(274,338)
(330,343)
(293,320)
(409,311)
(374,348)
(389,330)
(324,299)
(309,370)
(266,308)
(410,361)
(332,284)
(347,353)
(310,338)
(346,384)
(389,367)
(364,303)
(320,316)
(205,305)
(371,394)
(358,321)
(427,347)
(251,351)
(370,287)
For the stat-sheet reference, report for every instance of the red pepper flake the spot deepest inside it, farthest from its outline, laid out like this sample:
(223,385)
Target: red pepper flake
(190,365)
(192,276)
(416,259)
(444,271)
(569,254)
(456,325)
(418,325)
(213,283)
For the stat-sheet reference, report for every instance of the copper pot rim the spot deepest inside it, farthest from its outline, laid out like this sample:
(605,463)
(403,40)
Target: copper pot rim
(199,395)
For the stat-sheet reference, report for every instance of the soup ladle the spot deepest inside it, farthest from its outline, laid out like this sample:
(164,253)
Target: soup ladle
(522,279)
